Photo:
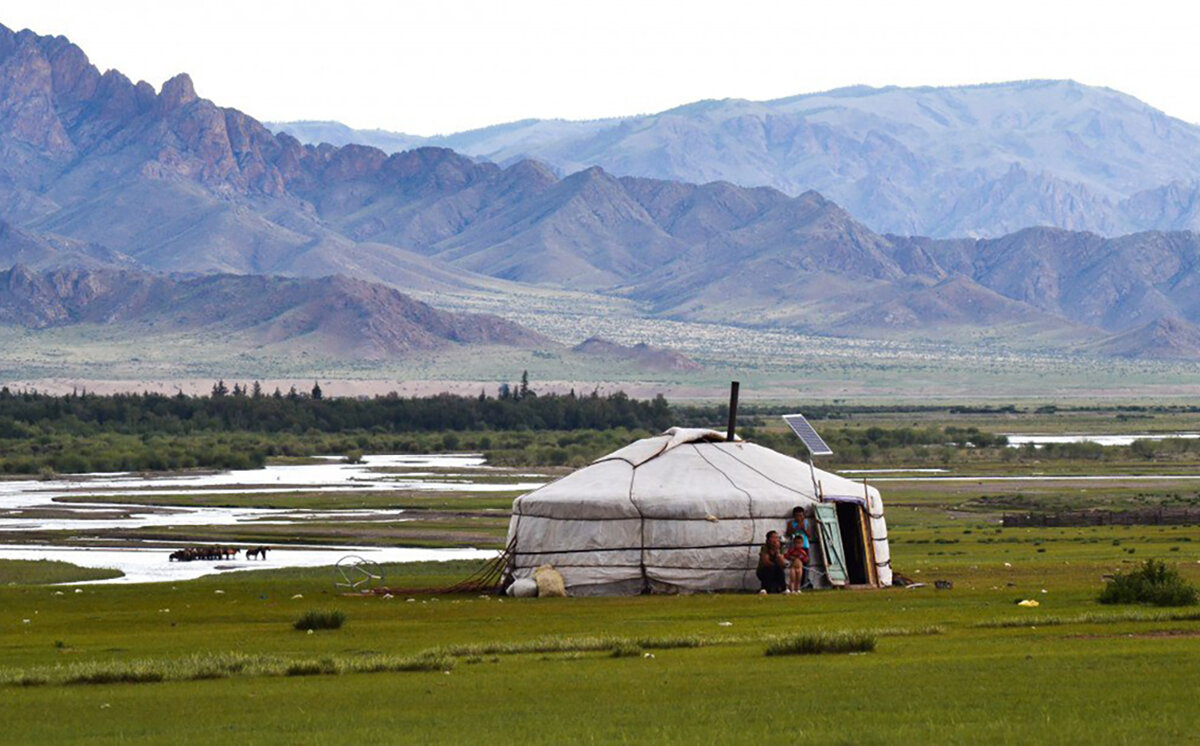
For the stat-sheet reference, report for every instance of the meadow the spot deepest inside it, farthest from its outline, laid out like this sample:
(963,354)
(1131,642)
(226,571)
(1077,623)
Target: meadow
(962,665)
(219,658)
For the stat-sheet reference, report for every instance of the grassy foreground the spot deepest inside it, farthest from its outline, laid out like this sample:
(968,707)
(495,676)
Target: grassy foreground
(217,659)
(964,665)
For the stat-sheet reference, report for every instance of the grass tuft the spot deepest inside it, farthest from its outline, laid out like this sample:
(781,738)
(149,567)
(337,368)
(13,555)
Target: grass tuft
(219,666)
(670,643)
(822,642)
(316,667)
(389,663)
(626,649)
(1092,618)
(315,619)
(929,629)
(138,672)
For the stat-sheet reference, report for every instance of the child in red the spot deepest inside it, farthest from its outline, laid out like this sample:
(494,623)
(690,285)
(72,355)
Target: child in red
(797,553)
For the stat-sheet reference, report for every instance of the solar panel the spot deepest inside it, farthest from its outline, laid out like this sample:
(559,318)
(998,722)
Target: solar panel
(808,435)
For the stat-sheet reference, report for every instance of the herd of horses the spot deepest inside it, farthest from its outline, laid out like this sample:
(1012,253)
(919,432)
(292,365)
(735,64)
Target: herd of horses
(215,552)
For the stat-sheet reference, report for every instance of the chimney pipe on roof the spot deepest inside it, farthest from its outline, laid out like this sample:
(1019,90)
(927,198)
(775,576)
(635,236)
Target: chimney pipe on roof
(733,402)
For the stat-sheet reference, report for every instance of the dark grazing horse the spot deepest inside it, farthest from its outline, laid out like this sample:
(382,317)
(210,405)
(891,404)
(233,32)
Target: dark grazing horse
(256,552)
(188,554)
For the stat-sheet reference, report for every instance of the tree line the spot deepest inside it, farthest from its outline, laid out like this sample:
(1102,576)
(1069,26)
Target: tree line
(30,414)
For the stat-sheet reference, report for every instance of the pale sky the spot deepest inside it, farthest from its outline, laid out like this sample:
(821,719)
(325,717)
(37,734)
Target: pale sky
(428,67)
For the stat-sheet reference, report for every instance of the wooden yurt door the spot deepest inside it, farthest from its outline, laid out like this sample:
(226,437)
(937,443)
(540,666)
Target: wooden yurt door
(831,543)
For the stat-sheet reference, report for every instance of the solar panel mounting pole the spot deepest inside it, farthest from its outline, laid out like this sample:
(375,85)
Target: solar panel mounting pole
(812,472)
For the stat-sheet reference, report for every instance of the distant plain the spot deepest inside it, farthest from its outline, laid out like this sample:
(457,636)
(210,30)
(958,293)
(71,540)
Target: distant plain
(772,364)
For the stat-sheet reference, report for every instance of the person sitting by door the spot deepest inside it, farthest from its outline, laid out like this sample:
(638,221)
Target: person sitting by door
(771,565)
(798,547)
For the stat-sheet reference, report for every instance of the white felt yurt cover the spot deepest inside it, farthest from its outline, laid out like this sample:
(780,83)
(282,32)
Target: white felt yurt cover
(682,511)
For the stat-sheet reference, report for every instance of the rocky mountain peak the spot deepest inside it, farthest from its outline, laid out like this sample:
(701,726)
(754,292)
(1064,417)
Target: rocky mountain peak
(177,92)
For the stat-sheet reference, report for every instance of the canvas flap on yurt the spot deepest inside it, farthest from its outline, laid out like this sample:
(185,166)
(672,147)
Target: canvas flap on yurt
(682,511)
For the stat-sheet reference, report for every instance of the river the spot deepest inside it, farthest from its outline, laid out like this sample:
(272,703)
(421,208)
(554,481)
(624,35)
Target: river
(28,505)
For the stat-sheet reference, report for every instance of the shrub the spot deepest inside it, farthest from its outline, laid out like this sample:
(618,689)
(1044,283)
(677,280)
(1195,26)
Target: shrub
(625,650)
(821,642)
(322,667)
(320,619)
(1153,583)
(116,673)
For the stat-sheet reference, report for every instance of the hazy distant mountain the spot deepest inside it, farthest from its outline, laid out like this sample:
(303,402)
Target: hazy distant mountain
(41,250)
(973,160)
(336,133)
(335,315)
(641,354)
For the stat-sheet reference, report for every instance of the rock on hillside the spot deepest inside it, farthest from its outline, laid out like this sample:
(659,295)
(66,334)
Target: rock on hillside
(335,315)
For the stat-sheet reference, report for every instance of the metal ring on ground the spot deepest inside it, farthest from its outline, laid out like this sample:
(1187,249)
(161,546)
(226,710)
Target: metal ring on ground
(356,573)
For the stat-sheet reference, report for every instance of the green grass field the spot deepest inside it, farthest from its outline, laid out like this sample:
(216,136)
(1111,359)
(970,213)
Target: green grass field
(218,660)
(964,665)
(41,572)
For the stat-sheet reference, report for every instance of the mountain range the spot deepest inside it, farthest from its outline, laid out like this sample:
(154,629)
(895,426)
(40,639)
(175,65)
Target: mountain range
(99,172)
(335,315)
(981,160)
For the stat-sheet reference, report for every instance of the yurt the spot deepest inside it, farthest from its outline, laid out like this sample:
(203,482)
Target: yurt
(687,511)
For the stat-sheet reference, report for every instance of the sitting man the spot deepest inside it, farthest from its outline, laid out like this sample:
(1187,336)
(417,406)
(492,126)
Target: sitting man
(771,564)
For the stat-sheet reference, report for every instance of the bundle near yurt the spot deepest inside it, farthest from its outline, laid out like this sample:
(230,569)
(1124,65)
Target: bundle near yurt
(687,511)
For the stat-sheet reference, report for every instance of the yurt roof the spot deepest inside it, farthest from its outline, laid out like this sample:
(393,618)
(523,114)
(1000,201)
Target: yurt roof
(684,473)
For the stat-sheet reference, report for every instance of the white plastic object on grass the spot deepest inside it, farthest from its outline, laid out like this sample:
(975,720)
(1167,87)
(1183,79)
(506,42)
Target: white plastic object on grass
(523,588)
